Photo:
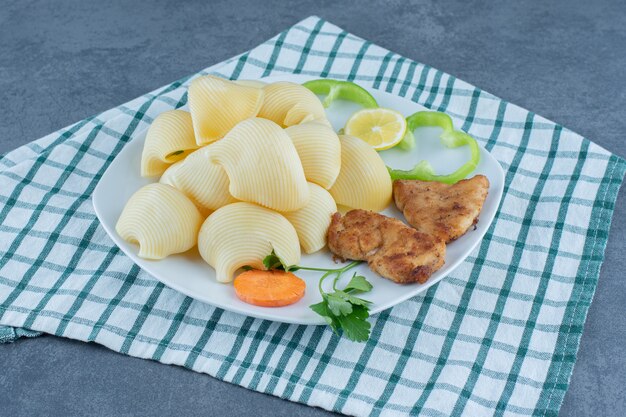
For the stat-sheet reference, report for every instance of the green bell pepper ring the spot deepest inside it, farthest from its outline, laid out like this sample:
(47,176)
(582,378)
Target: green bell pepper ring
(450,138)
(408,141)
(341,90)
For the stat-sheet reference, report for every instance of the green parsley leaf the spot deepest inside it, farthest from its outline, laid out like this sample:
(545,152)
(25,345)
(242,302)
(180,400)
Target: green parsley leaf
(358,283)
(342,310)
(272,261)
(338,305)
(329,317)
(355,326)
(351,298)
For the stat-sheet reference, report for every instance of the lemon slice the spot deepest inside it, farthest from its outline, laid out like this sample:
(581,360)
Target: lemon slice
(381,128)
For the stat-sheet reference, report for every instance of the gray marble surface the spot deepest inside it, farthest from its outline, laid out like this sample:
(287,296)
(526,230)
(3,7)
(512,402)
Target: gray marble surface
(65,60)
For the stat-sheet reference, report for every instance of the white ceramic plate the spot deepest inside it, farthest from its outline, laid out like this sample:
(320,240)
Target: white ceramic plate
(190,275)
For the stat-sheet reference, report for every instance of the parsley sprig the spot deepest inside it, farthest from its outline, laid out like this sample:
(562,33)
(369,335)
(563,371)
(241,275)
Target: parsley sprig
(341,308)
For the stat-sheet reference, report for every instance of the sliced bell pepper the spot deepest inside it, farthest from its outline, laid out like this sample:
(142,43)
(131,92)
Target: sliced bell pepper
(341,90)
(408,141)
(449,138)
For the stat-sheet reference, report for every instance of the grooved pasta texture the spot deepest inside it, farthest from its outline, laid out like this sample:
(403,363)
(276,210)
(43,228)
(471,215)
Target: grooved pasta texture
(204,182)
(169,139)
(241,234)
(319,150)
(363,181)
(288,104)
(312,221)
(217,105)
(161,220)
(262,165)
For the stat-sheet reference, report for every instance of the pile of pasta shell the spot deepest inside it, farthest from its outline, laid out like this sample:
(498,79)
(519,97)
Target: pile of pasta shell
(250,169)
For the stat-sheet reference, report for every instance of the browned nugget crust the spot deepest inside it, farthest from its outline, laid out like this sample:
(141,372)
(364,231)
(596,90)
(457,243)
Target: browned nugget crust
(441,210)
(391,248)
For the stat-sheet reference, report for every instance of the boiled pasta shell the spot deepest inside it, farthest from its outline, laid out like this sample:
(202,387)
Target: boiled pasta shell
(251,83)
(217,105)
(262,165)
(204,182)
(363,182)
(161,220)
(288,104)
(241,234)
(311,221)
(319,151)
(170,138)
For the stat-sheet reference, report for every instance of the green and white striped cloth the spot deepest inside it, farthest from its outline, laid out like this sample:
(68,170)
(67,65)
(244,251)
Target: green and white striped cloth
(498,336)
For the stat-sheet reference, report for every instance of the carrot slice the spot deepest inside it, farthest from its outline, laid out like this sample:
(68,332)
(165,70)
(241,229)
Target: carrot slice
(269,288)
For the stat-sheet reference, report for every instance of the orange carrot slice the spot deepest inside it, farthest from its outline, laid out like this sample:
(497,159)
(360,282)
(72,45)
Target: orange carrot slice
(269,288)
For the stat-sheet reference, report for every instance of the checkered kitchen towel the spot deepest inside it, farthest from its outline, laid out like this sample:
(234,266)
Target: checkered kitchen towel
(499,335)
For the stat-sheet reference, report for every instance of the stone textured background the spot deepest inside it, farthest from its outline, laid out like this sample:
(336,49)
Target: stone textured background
(62,61)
